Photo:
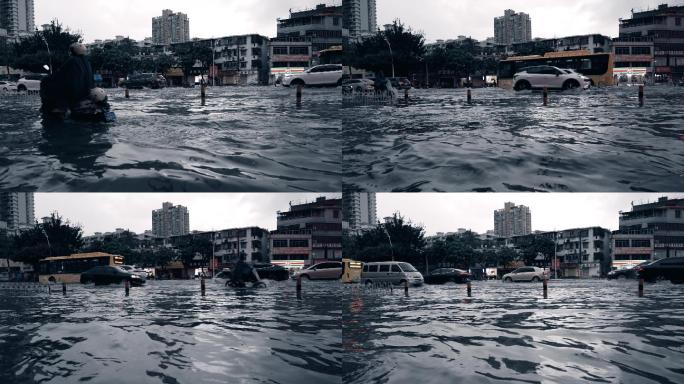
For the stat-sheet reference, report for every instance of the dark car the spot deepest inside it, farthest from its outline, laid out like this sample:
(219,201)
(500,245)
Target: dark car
(272,272)
(447,275)
(144,80)
(626,273)
(664,269)
(105,275)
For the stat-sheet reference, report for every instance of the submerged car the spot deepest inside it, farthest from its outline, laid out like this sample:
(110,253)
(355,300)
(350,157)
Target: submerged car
(323,271)
(8,86)
(396,273)
(105,275)
(357,85)
(272,272)
(534,274)
(546,76)
(447,275)
(30,83)
(626,273)
(145,80)
(400,83)
(664,269)
(320,75)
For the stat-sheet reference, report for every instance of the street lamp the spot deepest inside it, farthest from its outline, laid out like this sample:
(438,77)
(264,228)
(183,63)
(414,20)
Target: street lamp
(390,241)
(391,55)
(48,49)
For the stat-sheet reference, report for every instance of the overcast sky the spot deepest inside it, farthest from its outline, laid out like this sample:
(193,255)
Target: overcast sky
(449,212)
(104,212)
(438,19)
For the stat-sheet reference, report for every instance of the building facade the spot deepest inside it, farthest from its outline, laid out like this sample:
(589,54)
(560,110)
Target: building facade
(17,17)
(321,220)
(360,17)
(170,221)
(291,249)
(512,28)
(583,253)
(513,220)
(289,55)
(321,25)
(359,210)
(649,231)
(170,28)
(230,244)
(653,41)
(17,210)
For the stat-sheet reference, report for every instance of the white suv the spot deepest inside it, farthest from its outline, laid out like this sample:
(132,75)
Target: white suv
(545,76)
(525,274)
(30,83)
(329,74)
(396,273)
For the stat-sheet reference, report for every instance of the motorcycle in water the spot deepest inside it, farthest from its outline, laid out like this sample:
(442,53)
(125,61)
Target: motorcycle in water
(243,284)
(95,108)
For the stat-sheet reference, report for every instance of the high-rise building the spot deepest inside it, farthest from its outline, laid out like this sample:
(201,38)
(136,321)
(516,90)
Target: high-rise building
(17,210)
(170,28)
(649,231)
(17,17)
(512,28)
(170,221)
(513,220)
(359,210)
(360,17)
(323,26)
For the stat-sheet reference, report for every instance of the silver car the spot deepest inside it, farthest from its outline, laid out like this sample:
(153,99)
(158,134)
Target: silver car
(396,273)
(535,274)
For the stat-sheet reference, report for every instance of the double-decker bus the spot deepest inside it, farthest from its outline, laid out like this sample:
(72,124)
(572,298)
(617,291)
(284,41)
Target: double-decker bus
(596,66)
(68,269)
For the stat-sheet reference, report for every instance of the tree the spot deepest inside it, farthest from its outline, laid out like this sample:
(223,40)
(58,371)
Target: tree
(189,54)
(190,247)
(374,54)
(533,246)
(31,53)
(119,57)
(53,237)
(407,242)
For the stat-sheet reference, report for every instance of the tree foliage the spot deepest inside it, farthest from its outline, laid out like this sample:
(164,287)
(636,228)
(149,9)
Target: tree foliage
(407,242)
(31,53)
(53,237)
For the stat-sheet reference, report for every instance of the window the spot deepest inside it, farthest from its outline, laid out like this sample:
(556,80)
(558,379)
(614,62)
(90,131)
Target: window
(279,243)
(299,50)
(641,50)
(395,268)
(678,214)
(336,214)
(641,243)
(336,21)
(678,21)
(299,243)
(384,268)
(548,71)
(622,50)
(280,50)
(621,243)
(365,267)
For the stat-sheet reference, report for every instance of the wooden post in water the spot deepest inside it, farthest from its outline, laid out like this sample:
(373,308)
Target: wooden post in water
(641,287)
(546,287)
(64,289)
(127,287)
(203,287)
(299,287)
(470,289)
(406,288)
(470,96)
(546,96)
(641,95)
(128,96)
(299,93)
(406,95)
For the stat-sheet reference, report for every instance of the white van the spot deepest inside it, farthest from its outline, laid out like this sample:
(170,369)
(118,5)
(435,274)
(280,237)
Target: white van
(396,273)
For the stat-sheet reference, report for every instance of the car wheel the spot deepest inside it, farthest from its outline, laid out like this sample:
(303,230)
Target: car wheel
(369,283)
(508,280)
(622,277)
(570,84)
(359,89)
(21,88)
(522,85)
(339,82)
(298,82)
(536,279)
(307,277)
(52,280)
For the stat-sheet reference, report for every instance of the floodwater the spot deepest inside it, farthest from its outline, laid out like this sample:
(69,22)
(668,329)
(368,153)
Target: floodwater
(167,333)
(585,141)
(244,139)
(585,332)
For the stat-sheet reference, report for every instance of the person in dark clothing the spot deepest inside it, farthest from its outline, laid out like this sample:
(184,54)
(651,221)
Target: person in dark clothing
(380,82)
(244,273)
(70,85)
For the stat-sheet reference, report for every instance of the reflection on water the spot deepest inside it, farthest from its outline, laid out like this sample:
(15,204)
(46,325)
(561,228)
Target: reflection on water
(243,139)
(586,331)
(599,140)
(167,333)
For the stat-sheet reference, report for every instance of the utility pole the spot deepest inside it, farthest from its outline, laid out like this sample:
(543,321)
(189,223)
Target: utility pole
(390,241)
(391,54)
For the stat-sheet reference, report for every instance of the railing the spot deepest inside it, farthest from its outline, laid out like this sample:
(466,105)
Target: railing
(368,98)
(14,287)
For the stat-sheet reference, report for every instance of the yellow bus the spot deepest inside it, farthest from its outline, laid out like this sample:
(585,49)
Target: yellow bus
(596,66)
(68,269)
(351,271)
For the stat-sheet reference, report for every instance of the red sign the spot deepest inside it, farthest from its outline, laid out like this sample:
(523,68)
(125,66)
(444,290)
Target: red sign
(663,70)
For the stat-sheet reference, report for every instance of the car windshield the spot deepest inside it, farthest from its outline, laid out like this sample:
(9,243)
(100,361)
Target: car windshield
(406,267)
